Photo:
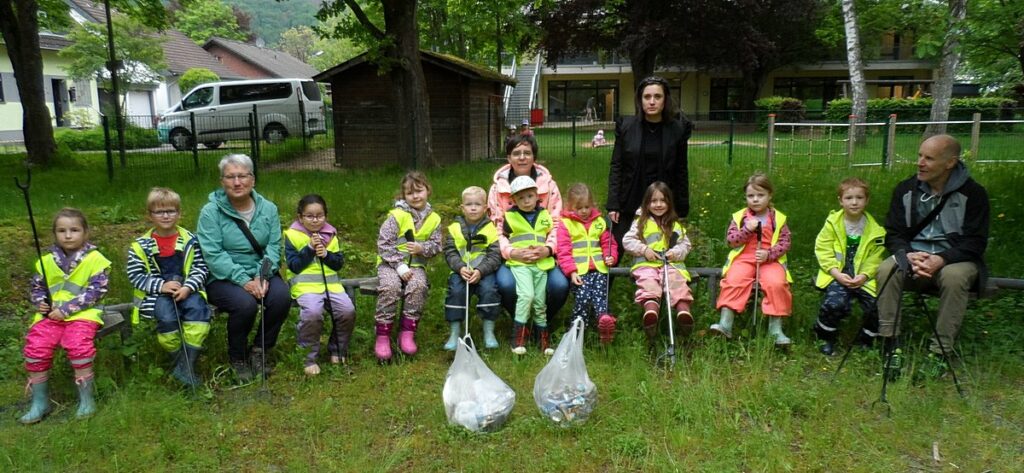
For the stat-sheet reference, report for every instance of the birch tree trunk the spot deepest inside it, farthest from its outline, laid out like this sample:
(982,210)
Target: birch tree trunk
(856,65)
(942,90)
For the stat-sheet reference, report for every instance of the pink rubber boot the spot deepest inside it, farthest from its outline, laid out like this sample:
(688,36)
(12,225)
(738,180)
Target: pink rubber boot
(383,346)
(407,336)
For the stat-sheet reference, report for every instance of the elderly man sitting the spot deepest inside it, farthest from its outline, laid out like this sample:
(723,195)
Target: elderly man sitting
(939,219)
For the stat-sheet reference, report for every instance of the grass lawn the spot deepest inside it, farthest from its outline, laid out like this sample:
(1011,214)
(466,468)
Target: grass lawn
(738,406)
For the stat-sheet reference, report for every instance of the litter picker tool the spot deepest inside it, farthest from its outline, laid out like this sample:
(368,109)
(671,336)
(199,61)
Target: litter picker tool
(327,295)
(757,276)
(35,234)
(670,352)
(190,373)
(264,281)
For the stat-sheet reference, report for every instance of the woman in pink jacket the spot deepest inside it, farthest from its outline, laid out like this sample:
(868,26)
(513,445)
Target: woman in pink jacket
(521,152)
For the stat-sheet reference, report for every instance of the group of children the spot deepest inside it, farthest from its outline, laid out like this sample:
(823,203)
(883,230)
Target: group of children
(167,271)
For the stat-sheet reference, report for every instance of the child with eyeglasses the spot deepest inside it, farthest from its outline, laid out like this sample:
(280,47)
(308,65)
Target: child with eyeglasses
(313,252)
(167,270)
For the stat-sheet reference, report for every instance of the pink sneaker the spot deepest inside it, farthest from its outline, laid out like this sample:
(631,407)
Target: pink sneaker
(383,346)
(606,328)
(407,337)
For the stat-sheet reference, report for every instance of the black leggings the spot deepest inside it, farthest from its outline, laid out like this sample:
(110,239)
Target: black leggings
(242,309)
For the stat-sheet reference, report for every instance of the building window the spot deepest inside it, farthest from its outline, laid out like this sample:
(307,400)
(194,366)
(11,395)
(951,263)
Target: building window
(896,89)
(815,92)
(568,98)
(725,95)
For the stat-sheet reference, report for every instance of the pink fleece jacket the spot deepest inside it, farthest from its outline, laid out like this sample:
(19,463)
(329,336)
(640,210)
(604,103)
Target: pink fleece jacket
(564,242)
(499,198)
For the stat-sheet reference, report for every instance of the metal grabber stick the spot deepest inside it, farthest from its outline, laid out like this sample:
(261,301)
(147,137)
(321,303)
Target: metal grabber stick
(757,276)
(327,297)
(184,350)
(35,234)
(671,351)
(264,279)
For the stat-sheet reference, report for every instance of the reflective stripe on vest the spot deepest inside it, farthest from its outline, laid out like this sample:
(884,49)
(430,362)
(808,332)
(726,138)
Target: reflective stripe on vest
(780,221)
(523,235)
(186,243)
(407,224)
(586,244)
(65,287)
(652,236)
(310,280)
(472,253)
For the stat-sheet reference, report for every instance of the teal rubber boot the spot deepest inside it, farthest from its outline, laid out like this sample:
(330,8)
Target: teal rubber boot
(86,401)
(490,342)
(185,366)
(453,339)
(40,403)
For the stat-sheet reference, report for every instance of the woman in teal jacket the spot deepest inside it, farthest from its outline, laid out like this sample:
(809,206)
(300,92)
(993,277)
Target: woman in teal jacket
(235,285)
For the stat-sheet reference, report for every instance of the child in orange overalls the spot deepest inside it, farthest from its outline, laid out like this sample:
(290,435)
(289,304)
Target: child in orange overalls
(748,261)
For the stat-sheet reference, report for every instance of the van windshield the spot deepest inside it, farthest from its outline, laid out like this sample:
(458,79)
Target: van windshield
(199,98)
(311,91)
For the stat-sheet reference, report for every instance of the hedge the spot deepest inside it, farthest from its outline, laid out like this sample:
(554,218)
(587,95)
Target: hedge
(991,108)
(786,109)
(91,139)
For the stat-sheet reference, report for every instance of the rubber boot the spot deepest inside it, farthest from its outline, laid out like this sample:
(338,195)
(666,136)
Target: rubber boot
(606,328)
(382,348)
(40,402)
(724,325)
(775,329)
(86,402)
(407,336)
(453,338)
(650,322)
(519,338)
(490,341)
(185,367)
(827,338)
(258,361)
(684,319)
(545,341)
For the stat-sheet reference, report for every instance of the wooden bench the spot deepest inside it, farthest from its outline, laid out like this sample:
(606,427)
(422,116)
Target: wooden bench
(117,318)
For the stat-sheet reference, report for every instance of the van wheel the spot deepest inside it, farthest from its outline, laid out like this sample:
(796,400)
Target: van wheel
(213,144)
(181,139)
(274,133)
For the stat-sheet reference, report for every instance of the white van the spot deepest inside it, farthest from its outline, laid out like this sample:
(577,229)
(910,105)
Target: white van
(222,111)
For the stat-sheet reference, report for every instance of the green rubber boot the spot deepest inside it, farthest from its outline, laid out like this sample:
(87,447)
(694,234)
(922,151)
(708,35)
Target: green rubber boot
(40,403)
(86,402)
(490,341)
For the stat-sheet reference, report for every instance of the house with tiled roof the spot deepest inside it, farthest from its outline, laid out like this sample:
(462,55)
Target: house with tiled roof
(255,62)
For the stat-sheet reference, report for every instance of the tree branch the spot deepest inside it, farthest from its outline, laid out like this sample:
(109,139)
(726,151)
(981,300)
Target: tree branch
(364,20)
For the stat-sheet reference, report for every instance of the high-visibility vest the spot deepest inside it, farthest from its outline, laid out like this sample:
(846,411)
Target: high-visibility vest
(187,244)
(780,221)
(311,280)
(406,224)
(586,244)
(656,241)
(473,253)
(64,287)
(523,235)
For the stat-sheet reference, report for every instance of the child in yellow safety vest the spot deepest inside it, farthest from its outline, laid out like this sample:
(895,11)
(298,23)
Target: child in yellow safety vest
(656,238)
(527,232)
(69,282)
(586,249)
(167,270)
(408,237)
(313,253)
(472,252)
(756,257)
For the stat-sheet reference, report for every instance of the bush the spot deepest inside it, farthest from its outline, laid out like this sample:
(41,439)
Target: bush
(786,109)
(92,139)
(907,110)
(196,76)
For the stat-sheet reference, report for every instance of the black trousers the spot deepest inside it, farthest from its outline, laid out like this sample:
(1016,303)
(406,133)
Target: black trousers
(242,309)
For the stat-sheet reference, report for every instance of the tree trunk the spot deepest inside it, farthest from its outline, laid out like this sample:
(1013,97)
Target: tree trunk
(751,82)
(942,90)
(856,65)
(409,86)
(21,35)
(642,61)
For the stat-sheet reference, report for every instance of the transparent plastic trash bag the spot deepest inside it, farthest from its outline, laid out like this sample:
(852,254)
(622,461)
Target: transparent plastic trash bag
(563,390)
(474,397)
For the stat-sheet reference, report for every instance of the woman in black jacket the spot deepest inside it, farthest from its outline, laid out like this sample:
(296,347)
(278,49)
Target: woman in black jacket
(649,147)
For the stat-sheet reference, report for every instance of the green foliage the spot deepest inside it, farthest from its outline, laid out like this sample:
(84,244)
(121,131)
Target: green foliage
(270,18)
(79,118)
(910,109)
(92,139)
(786,109)
(991,43)
(196,76)
(201,20)
(137,46)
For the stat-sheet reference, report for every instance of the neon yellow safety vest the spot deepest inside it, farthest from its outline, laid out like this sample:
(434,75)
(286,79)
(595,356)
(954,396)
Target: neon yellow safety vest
(524,236)
(586,244)
(656,241)
(184,238)
(780,221)
(311,280)
(472,254)
(406,224)
(64,287)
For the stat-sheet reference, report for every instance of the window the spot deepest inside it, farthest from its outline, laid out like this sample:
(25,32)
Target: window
(567,98)
(254,92)
(725,95)
(815,92)
(311,90)
(896,89)
(200,98)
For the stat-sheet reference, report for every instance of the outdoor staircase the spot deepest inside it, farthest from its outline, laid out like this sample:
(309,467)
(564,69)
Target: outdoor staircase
(520,102)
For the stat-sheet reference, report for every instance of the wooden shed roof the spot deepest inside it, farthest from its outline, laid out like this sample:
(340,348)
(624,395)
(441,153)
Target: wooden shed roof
(445,61)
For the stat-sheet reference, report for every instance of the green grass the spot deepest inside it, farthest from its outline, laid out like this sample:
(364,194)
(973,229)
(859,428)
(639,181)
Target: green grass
(738,406)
